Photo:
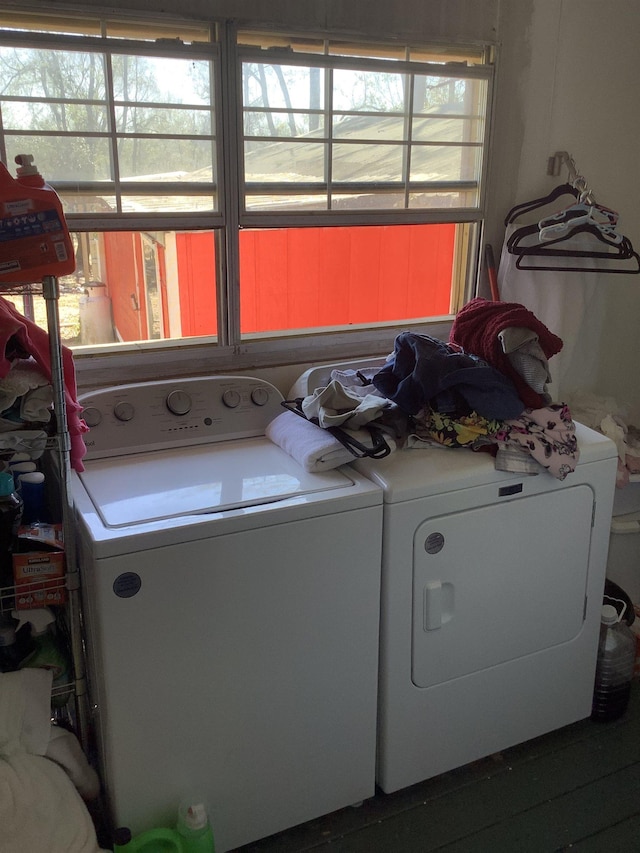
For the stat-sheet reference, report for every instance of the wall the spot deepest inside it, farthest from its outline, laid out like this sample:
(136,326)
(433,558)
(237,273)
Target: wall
(463,20)
(567,81)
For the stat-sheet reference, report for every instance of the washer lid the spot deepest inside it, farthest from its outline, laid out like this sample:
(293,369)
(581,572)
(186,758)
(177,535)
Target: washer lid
(145,487)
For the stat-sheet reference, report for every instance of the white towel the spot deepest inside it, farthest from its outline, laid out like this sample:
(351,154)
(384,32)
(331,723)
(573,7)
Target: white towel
(40,809)
(312,446)
(36,404)
(25,711)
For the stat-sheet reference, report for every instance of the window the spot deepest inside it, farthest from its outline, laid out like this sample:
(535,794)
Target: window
(251,190)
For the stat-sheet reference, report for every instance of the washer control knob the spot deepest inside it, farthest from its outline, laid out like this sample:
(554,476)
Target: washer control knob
(123,411)
(179,402)
(231,398)
(260,396)
(92,416)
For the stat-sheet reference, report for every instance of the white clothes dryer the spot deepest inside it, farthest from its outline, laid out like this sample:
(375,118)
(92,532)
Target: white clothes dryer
(492,587)
(231,608)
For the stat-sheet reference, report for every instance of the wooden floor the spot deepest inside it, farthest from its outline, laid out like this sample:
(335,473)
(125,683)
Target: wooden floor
(575,789)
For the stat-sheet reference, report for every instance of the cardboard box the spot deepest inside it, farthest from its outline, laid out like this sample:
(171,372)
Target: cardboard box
(39,568)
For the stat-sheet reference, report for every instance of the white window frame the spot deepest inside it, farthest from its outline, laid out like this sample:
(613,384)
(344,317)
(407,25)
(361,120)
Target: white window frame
(137,362)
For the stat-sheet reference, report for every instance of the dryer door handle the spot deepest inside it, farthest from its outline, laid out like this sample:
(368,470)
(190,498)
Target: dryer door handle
(438,604)
(433,606)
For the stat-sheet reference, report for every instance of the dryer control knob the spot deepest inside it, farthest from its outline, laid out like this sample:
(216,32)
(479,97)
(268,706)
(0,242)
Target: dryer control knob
(91,416)
(260,396)
(124,411)
(231,398)
(179,402)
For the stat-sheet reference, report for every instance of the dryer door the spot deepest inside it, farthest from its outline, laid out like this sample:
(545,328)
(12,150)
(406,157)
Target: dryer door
(495,583)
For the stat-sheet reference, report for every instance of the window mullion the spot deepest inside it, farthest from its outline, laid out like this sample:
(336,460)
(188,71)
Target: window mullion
(408,134)
(329,134)
(233,186)
(113,134)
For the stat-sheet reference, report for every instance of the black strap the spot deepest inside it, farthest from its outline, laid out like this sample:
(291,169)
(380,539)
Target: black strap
(379,447)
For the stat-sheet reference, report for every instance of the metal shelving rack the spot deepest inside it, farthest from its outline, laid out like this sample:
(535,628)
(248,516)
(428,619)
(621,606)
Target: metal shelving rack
(62,447)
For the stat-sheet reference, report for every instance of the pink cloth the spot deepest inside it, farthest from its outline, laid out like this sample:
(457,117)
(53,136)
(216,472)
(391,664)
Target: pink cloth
(548,435)
(21,338)
(476,328)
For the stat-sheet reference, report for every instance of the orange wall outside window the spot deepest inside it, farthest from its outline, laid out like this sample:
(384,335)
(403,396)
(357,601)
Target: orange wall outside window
(308,277)
(122,257)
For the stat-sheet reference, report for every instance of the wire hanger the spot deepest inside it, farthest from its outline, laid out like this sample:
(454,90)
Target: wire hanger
(552,235)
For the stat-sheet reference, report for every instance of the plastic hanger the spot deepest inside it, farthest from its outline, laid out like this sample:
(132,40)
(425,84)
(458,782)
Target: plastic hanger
(620,251)
(576,214)
(606,235)
(534,204)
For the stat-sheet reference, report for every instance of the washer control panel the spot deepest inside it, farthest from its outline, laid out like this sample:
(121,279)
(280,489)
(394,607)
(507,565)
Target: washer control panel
(176,413)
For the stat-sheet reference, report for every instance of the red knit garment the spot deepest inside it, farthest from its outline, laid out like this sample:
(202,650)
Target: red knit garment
(476,328)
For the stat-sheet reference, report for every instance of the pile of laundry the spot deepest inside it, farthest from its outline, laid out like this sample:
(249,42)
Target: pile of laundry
(607,416)
(486,388)
(26,395)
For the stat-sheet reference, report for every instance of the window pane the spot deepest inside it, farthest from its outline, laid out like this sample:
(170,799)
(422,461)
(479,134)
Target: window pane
(161,80)
(444,199)
(188,122)
(368,91)
(380,200)
(444,163)
(388,132)
(88,203)
(55,106)
(286,201)
(448,129)
(38,116)
(136,286)
(275,162)
(324,278)
(367,163)
(158,203)
(282,123)
(371,127)
(65,158)
(47,74)
(163,159)
(433,94)
(275,86)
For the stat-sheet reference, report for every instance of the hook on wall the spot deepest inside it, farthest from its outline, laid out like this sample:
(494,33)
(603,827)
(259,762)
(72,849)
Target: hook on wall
(563,158)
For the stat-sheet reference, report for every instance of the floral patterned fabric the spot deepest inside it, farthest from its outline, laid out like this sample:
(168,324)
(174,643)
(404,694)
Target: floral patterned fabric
(547,434)
(465,431)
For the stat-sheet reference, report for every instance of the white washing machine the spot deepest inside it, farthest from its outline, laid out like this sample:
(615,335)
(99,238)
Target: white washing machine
(232,611)
(492,587)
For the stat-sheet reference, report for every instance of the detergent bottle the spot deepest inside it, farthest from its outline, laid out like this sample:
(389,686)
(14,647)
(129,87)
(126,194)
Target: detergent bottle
(192,834)
(49,651)
(34,238)
(194,828)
